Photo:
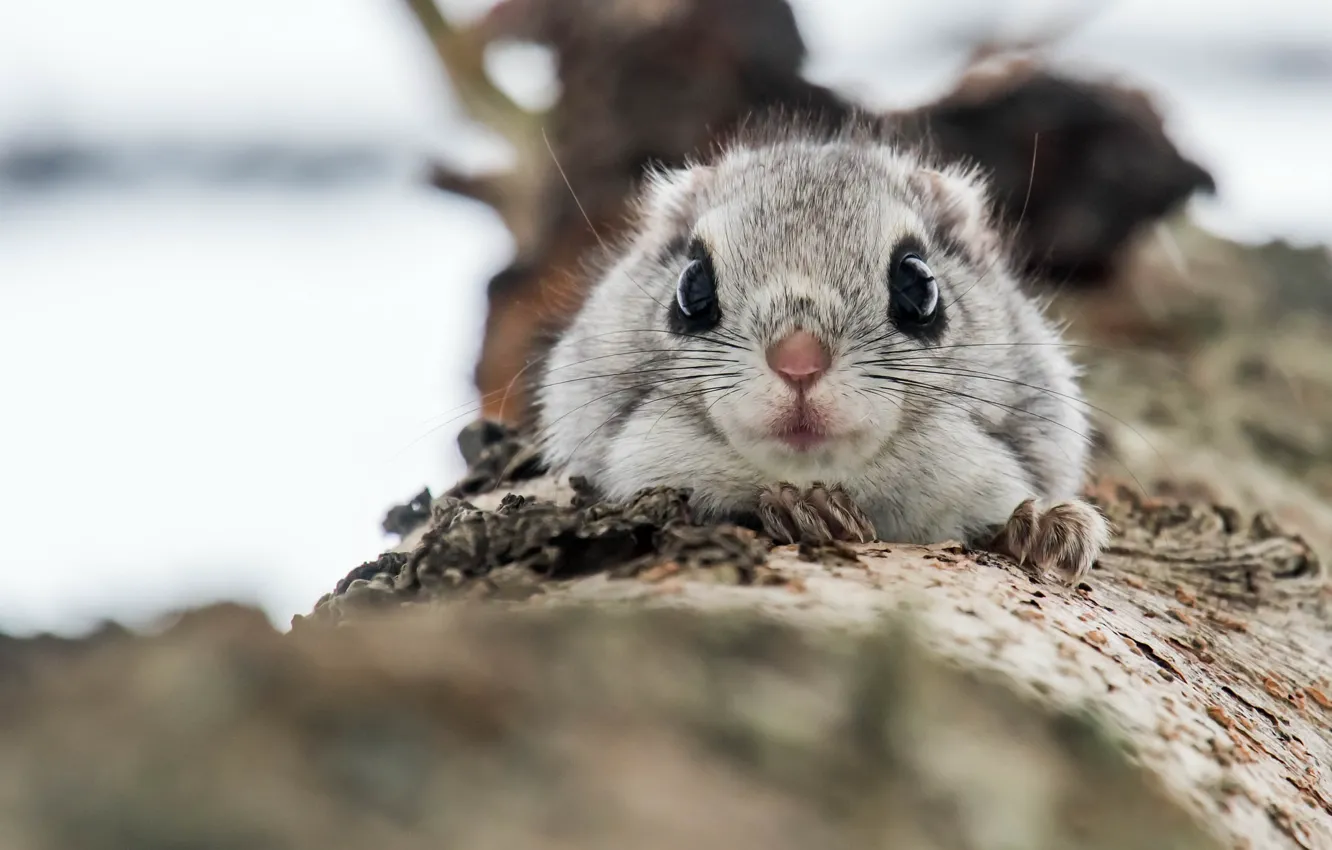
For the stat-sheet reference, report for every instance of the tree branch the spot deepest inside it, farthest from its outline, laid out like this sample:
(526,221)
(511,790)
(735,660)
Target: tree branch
(462,53)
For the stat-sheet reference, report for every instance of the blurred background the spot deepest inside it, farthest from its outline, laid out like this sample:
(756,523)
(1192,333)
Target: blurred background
(232,310)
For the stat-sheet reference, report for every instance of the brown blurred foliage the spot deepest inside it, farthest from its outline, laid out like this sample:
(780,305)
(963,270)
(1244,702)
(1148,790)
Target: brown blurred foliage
(1079,165)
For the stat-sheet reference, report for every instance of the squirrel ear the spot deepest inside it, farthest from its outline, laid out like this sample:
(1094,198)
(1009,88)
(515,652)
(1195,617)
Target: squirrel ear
(668,191)
(960,204)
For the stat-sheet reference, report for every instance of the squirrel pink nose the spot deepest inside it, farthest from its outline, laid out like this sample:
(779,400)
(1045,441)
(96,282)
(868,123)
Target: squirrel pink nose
(800,359)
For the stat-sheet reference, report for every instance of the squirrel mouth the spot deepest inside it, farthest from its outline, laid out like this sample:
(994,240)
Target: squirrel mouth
(802,429)
(802,439)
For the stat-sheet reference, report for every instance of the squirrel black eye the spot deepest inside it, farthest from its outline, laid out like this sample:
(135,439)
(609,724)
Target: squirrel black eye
(913,291)
(696,291)
(696,307)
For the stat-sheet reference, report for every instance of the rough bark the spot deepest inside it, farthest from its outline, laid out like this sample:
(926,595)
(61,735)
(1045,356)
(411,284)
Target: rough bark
(582,727)
(1200,643)
(879,696)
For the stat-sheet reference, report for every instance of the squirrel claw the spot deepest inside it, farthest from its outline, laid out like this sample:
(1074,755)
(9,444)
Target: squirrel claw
(819,514)
(1064,539)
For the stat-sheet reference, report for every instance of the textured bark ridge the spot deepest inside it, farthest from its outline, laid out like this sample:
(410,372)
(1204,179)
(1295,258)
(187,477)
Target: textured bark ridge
(573,727)
(1201,639)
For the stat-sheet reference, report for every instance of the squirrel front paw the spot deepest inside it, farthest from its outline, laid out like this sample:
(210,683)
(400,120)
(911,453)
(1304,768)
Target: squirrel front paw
(817,515)
(1065,538)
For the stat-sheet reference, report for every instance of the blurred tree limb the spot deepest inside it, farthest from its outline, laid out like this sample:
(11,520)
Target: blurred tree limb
(513,193)
(462,52)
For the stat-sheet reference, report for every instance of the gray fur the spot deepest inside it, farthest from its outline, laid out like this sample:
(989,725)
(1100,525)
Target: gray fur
(800,232)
